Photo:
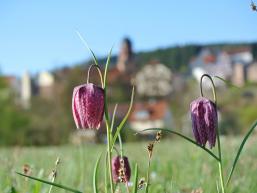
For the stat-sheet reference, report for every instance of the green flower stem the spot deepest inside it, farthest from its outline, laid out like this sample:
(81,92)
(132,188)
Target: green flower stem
(148,176)
(108,124)
(109,149)
(135,179)
(106,174)
(220,164)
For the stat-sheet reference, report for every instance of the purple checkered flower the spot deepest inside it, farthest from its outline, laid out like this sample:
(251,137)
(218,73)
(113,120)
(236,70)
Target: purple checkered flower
(204,121)
(88,106)
(120,169)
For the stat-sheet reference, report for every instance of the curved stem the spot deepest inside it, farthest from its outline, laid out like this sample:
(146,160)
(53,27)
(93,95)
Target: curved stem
(99,72)
(213,86)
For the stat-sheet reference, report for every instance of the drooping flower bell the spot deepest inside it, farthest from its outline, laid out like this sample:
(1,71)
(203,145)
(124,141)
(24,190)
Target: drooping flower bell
(204,121)
(204,117)
(120,169)
(88,106)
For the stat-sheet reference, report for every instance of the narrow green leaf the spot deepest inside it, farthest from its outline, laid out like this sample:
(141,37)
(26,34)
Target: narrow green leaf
(217,186)
(121,125)
(106,174)
(228,83)
(186,138)
(95,174)
(50,183)
(113,116)
(38,185)
(135,179)
(240,150)
(121,145)
(106,66)
(86,45)
(106,113)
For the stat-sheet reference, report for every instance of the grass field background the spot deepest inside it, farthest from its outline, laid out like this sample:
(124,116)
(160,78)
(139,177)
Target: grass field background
(177,166)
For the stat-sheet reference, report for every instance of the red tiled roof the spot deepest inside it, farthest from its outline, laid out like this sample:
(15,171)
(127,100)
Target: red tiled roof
(209,59)
(155,110)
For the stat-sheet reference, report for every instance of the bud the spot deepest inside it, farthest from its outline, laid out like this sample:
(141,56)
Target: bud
(88,106)
(120,169)
(150,149)
(26,169)
(158,136)
(141,183)
(204,121)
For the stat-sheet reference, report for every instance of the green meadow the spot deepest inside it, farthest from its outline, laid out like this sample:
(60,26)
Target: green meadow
(177,166)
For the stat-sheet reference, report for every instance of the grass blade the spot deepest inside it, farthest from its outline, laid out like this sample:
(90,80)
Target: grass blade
(95,174)
(51,183)
(86,45)
(217,186)
(240,150)
(228,83)
(106,66)
(186,138)
(135,179)
(106,113)
(113,116)
(121,125)
(106,174)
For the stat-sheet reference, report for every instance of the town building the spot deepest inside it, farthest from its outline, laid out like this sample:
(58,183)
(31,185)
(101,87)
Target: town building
(45,82)
(230,64)
(26,90)
(154,80)
(252,73)
(150,114)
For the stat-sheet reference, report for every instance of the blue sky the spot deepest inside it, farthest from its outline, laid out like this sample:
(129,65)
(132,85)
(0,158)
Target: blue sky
(40,35)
